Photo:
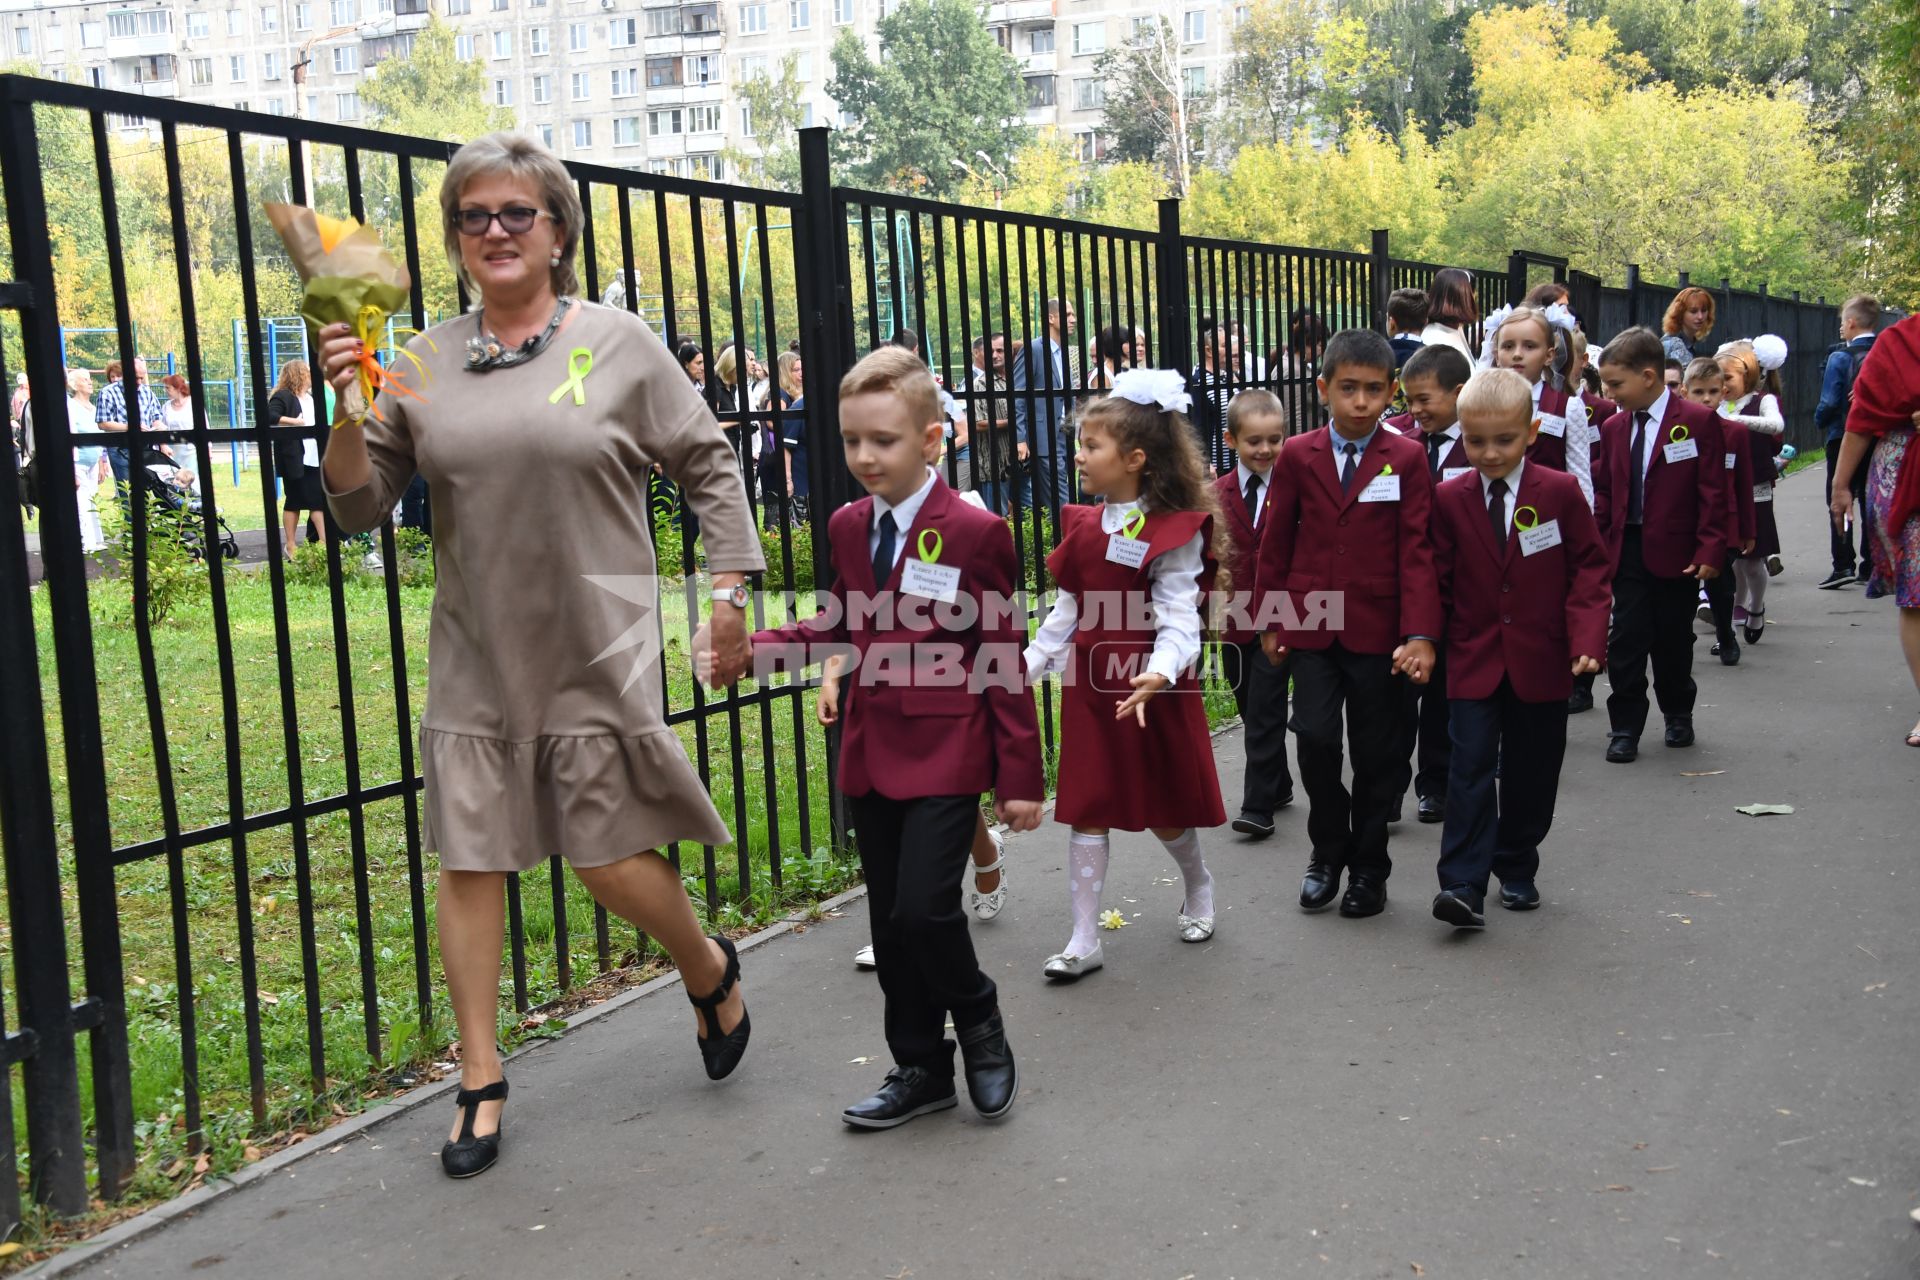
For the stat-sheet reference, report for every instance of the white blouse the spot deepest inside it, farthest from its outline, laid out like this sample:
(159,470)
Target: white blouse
(1579,438)
(1174,586)
(1767,422)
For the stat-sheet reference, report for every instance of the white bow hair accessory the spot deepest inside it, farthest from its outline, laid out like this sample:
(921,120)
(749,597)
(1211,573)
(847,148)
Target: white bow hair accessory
(1770,350)
(1164,389)
(1560,318)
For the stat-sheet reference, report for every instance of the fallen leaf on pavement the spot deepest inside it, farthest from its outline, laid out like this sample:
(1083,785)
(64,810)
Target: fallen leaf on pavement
(1417,1268)
(1704,773)
(858,1062)
(1616,1186)
(1875,986)
(1665,1168)
(1863,1182)
(1763,810)
(203,1163)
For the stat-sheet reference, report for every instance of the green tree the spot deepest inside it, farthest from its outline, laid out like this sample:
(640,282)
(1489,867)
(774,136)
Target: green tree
(772,104)
(432,93)
(1154,112)
(941,90)
(1273,81)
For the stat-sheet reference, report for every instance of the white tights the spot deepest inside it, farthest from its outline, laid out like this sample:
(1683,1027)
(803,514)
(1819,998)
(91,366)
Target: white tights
(1750,585)
(1087,877)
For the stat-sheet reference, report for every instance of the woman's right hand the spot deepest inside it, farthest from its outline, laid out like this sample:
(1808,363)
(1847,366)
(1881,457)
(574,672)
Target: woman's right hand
(339,356)
(1842,506)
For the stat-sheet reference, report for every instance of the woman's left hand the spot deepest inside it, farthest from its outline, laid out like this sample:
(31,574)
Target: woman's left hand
(1842,506)
(721,650)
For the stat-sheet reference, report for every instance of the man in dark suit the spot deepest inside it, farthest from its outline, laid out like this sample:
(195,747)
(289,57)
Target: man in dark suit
(1042,405)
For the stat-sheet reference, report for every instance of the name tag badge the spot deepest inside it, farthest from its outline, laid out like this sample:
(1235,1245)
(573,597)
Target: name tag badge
(1384,487)
(1131,552)
(1763,493)
(1539,537)
(1682,450)
(1553,425)
(933,581)
(1450,473)
(1729,462)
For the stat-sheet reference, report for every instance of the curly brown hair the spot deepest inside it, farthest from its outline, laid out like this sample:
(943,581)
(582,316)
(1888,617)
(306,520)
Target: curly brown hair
(1175,475)
(1675,319)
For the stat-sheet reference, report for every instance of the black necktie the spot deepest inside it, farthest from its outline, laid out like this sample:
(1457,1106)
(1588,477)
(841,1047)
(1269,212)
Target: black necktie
(883,554)
(1436,444)
(1253,500)
(1636,472)
(1497,512)
(1348,467)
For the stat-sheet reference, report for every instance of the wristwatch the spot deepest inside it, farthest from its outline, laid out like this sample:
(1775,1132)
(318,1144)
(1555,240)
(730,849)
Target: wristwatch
(736,595)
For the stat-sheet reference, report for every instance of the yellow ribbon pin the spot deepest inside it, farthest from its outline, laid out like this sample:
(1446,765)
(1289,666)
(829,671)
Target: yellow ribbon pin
(1679,432)
(579,365)
(1533,518)
(1387,470)
(1134,524)
(930,544)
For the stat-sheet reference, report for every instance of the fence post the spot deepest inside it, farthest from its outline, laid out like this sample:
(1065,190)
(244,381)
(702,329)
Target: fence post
(1685,280)
(1176,326)
(1516,278)
(1633,294)
(1380,273)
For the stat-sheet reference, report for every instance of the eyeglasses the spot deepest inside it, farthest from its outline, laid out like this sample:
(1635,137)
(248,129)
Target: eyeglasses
(515,220)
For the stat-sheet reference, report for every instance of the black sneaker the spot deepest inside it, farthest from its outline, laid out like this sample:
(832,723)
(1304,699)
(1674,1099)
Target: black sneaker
(1837,579)
(907,1092)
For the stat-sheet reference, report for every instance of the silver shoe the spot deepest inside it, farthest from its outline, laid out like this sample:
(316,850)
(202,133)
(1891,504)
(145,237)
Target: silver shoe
(863,958)
(1195,928)
(985,906)
(1067,967)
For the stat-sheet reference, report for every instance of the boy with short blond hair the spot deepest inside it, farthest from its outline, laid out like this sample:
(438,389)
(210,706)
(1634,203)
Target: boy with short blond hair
(1256,428)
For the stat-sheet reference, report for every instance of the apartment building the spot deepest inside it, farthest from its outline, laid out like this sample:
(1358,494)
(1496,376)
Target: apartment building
(636,83)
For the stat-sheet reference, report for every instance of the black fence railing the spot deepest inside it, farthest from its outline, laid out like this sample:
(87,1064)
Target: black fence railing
(170,782)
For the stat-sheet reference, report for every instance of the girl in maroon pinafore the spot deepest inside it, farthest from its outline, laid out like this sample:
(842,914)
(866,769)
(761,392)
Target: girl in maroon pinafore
(1754,397)
(1130,758)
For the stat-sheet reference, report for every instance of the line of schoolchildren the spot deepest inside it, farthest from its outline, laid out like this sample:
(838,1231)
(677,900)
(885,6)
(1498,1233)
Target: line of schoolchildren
(1431,586)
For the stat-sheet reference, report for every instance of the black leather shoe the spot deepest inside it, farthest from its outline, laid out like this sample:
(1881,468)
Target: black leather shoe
(1729,650)
(1838,578)
(1257,825)
(907,1092)
(1457,908)
(992,1078)
(1433,809)
(1519,895)
(1622,749)
(1283,802)
(1319,887)
(1581,699)
(1398,811)
(722,1053)
(1366,896)
(472,1153)
(1679,731)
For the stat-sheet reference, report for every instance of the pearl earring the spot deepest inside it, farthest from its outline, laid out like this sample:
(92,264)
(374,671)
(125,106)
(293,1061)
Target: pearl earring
(554,261)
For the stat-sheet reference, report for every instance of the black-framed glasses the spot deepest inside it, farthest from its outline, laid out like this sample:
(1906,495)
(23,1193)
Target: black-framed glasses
(515,220)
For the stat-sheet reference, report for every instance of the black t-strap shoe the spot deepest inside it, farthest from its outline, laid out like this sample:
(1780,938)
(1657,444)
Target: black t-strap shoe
(722,1053)
(471,1153)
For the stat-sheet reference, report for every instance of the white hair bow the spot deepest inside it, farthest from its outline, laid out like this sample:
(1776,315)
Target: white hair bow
(1560,318)
(1770,350)
(1489,328)
(1164,389)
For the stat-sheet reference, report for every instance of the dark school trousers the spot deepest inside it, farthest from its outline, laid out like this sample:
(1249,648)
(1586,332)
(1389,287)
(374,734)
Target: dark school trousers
(1260,691)
(1840,541)
(1423,728)
(1720,601)
(1496,825)
(1347,829)
(913,853)
(1652,619)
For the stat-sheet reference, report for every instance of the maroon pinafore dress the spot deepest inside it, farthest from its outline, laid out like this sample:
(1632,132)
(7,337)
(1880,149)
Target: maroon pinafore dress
(1114,773)
(1764,449)
(1550,451)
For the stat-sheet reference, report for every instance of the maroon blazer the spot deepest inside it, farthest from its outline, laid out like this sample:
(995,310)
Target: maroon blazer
(1685,521)
(1245,548)
(1739,476)
(1525,617)
(1599,409)
(1337,568)
(932,737)
(1454,455)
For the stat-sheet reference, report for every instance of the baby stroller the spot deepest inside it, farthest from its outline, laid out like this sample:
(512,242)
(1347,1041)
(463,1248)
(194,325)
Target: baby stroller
(172,493)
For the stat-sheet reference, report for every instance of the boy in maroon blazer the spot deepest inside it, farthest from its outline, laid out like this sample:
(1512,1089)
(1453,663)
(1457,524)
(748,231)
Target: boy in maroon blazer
(935,711)
(1345,586)
(1523,575)
(1706,385)
(1661,503)
(1256,428)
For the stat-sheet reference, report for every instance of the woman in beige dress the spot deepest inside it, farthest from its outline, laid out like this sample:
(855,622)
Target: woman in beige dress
(539,419)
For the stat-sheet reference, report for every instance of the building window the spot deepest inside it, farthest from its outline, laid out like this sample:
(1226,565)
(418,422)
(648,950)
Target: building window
(503,44)
(799,15)
(1196,81)
(537,41)
(92,35)
(703,68)
(663,72)
(663,22)
(463,46)
(499,6)
(1040,40)
(1089,37)
(503,93)
(346,59)
(576,37)
(542,90)
(623,33)
(806,115)
(626,131)
(269,66)
(753,19)
(1086,147)
(345,12)
(580,88)
(275,106)
(1089,94)
(56,39)
(303,17)
(236,67)
(346,106)
(746,120)
(704,118)
(842,12)
(626,82)
(1039,92)
(236,22)
(152,22)
(803,68)
(1193,26)
(459,8)
(582,134)
(668,166)
(97,77)
(709,167)
(546,135)
(701,19)
(665,124)
(753,67)
(200,70)
(199,27)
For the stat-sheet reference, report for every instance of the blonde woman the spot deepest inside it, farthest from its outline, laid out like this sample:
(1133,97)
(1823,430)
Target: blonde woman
(296,457)
(543,418)
(89,462)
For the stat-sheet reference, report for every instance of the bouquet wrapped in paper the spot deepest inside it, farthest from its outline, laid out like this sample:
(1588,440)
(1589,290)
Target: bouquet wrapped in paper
(350,279)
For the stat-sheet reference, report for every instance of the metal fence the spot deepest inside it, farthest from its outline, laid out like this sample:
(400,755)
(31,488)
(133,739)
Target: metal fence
(158,805)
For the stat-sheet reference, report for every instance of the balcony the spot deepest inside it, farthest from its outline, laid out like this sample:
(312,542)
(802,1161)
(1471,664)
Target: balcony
(158,44)
(167,88)
(1022,13)
(411,15)
(1038,63)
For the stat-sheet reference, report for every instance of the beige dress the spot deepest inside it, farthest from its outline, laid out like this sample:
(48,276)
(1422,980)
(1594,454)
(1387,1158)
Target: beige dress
(533,742)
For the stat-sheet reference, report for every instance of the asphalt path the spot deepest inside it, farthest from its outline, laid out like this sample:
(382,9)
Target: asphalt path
(1698,1059)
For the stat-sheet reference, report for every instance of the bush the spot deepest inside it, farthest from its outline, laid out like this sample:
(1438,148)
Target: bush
(413,550)
(173,575)
(801,538)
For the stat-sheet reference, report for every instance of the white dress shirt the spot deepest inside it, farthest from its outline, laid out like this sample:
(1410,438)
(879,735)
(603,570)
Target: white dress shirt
(1579,439)
(1656,413)
(1240,476)
(1174,587)
(1452,436)
(903,518)
(1513,491)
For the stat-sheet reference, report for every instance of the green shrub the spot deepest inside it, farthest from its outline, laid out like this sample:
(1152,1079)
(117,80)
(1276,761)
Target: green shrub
(413,550)
(173,575)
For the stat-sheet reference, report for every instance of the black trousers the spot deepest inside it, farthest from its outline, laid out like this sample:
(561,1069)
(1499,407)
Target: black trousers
(1652,619)
(1260,691)
(913,853)
(1423,728)
(1720,600)
(1347,830)
(1497,825)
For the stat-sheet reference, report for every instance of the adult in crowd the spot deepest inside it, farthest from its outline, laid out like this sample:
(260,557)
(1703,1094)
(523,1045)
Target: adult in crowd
(793,443)
(693,363)
(90,468)
(1452,310)
(1042,409)
(1297,363)
(177,416)
(530,743)
(1882,422)
(1212,385)
(112,412)
(776,493)
(1112,356)
(297,456)
(1858,319)
(1688,321)
(1252,369)
(985,458)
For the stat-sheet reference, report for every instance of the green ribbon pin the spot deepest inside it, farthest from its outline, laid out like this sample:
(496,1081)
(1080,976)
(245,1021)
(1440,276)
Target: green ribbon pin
(1134,523)
(1532,518)
(579,365)
(1387,470)
(930,544)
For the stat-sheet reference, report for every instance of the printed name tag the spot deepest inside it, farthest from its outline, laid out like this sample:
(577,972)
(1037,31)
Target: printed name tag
(1449,473)
(934,581)
(1763,493)
(1382,488)
(1729,462)
(1682,450)
(1553,425)
(1539,537)
(1131,552)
